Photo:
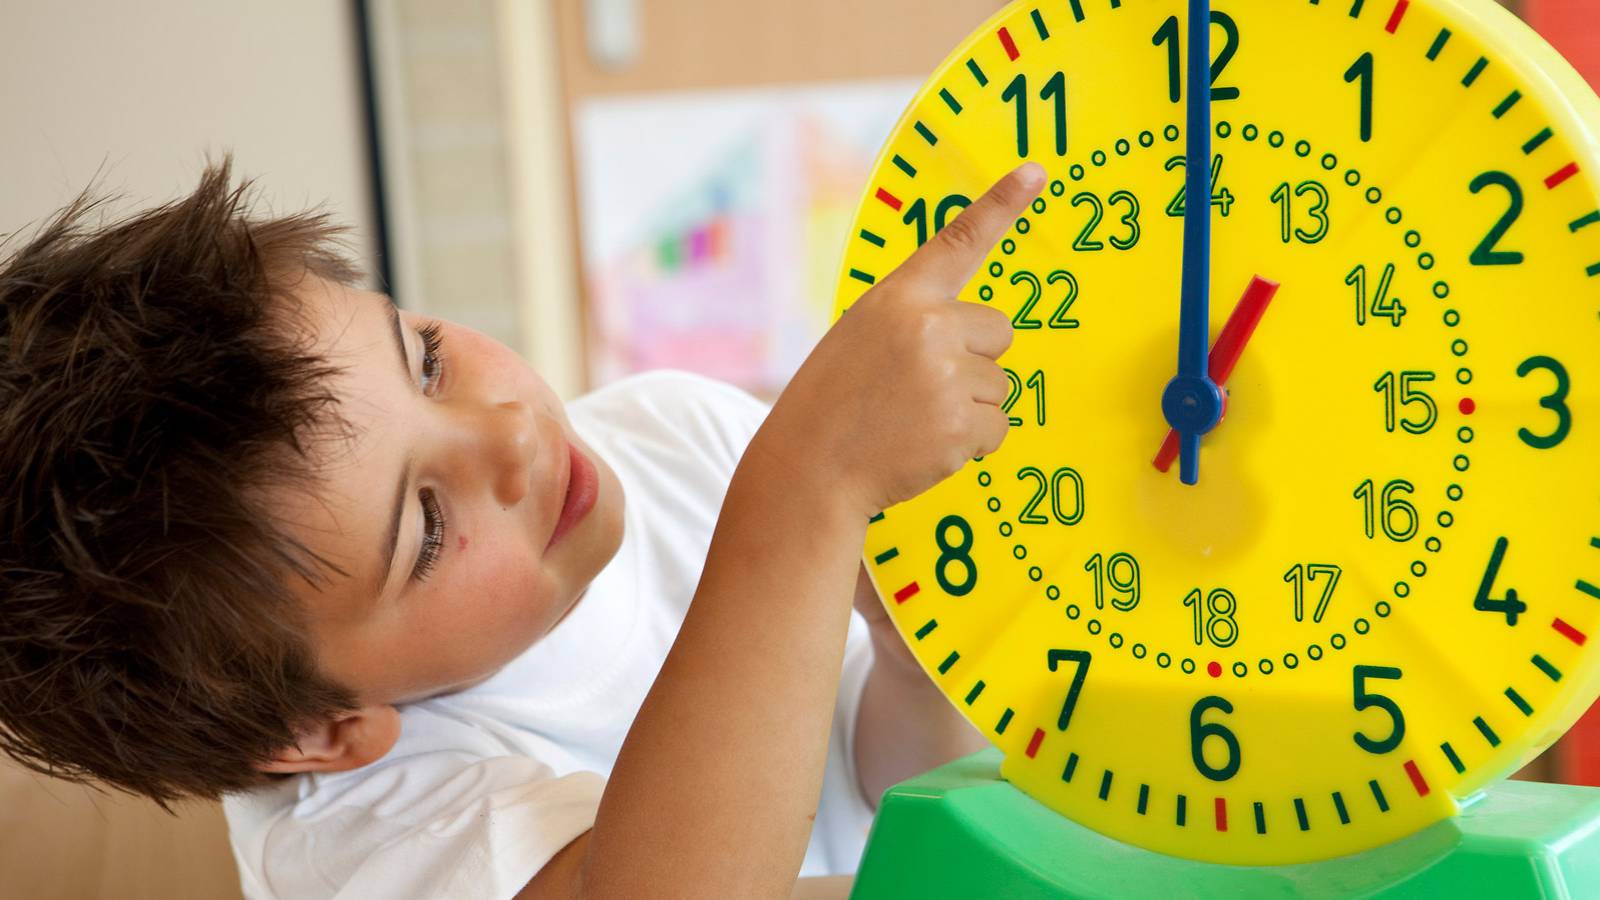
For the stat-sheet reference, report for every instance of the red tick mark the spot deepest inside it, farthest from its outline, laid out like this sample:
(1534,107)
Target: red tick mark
(906,592)
(1214,669)
(1396,16)
(1222,814)
(1417,781)
(1033,744)
(1009,44)
(1568,632)
(1467,406)
(1561,175)
(889,199)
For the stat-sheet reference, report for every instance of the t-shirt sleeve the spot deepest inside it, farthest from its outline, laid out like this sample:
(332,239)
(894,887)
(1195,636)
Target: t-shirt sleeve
(713,419)
(437,823)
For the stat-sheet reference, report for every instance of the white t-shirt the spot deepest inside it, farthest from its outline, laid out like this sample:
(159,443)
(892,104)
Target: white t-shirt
(486,785)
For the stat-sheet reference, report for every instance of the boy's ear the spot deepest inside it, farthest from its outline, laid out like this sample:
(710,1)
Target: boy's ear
(351,741)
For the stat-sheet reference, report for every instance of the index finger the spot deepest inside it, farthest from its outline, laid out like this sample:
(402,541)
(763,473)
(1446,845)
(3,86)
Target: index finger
(949,260)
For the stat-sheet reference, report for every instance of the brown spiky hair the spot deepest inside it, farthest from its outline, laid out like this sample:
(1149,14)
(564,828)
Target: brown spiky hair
(154,389)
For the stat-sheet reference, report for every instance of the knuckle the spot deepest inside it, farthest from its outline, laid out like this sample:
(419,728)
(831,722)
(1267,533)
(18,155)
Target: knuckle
(927,324)
(999,381)
(997,435)
(964,231)
(1000,324)
(1010,194)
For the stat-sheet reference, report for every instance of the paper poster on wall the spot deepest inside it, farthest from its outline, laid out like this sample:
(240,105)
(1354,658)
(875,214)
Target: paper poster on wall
(713,223)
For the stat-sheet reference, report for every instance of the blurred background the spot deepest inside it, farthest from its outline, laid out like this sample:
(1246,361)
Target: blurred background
(605,185)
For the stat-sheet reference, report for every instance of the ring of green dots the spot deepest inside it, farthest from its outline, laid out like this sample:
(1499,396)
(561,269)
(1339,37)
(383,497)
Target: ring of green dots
(1425,261)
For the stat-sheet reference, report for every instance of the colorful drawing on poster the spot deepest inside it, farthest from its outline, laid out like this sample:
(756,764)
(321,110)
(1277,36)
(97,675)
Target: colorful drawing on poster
(713,224)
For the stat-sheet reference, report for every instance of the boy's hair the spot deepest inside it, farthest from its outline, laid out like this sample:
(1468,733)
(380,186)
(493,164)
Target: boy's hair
(153,389)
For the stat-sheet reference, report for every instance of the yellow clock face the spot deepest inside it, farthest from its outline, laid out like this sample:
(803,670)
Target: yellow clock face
(1381,595)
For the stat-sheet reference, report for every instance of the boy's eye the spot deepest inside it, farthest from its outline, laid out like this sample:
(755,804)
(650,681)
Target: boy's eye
(432,357)
(432,535)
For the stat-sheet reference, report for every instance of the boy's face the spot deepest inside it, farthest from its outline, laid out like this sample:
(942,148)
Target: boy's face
(466,515)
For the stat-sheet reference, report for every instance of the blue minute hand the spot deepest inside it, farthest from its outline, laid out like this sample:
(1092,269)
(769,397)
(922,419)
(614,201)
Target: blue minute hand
(1192,402)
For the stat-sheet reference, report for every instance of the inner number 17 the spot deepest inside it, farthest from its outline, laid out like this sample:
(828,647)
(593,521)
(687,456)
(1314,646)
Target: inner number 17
(1300,575)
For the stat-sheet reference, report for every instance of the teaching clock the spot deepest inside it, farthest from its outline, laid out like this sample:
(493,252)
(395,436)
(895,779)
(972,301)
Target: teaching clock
(1383,590)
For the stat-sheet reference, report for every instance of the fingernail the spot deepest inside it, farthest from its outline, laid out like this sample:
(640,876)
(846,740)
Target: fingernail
(1032,175)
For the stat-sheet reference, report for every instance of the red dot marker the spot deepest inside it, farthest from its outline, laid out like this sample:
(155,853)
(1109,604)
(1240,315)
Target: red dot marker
(1467,406)
(1214,669)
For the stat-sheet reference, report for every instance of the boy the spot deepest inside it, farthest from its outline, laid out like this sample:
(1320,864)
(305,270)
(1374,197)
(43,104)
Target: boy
(266,536)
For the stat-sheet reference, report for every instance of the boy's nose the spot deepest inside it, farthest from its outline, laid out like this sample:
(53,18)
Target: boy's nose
(511,446)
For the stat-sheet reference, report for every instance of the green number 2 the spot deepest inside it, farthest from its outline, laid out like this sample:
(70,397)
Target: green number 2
(1487,252)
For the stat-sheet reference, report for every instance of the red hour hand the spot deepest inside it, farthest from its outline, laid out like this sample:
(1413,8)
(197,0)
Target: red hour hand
(1226,351)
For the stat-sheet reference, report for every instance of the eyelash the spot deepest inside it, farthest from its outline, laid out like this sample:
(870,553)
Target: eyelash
(432,535)
(432,514)
(432,359)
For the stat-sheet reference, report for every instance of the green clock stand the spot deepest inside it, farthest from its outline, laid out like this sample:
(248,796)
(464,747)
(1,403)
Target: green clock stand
(961,832)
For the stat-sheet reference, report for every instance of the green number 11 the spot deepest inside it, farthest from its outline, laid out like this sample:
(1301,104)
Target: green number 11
(1056,88)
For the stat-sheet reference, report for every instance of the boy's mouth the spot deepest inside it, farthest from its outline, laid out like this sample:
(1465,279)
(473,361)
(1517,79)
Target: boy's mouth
(583,486)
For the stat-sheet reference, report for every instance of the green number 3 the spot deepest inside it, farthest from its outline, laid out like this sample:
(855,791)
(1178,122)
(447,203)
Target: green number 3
(1556,402)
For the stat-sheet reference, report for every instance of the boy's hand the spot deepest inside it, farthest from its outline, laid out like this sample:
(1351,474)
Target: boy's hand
(905,387)
(888,648)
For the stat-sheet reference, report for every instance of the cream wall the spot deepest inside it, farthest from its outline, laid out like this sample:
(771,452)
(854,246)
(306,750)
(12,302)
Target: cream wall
(142,91)
(476,168)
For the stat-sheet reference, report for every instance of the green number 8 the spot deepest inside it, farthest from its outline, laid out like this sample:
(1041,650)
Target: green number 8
(959,554)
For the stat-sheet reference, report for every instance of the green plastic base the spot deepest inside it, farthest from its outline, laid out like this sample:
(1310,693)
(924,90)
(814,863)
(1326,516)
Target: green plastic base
(959,831)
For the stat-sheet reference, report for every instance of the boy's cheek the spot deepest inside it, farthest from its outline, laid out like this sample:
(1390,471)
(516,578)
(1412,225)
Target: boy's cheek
(467,627)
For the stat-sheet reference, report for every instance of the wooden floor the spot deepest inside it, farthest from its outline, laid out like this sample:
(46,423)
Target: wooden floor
(60,841)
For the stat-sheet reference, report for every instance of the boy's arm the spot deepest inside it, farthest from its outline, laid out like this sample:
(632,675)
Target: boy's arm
(904,726)
(716,785)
